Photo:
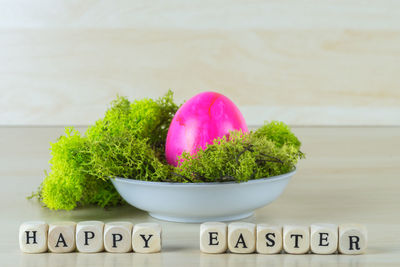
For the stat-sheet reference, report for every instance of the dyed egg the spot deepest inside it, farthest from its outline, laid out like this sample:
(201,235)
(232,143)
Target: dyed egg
(199,121)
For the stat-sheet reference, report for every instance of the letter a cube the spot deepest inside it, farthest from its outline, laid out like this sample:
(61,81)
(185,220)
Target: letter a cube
(61,237)
(242,237)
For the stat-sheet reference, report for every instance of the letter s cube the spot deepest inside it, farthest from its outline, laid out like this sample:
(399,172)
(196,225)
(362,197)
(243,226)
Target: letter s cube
(269,239)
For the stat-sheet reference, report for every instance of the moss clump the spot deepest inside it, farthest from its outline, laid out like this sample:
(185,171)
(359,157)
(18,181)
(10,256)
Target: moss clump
(69,183)
(145,119)
(279,133)
(269,151)
(127,142)
(130,142)
(126,156)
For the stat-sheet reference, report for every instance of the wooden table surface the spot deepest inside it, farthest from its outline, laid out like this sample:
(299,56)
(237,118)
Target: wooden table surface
(350,175)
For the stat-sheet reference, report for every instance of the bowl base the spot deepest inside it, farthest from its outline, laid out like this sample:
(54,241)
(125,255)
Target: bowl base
(201,219)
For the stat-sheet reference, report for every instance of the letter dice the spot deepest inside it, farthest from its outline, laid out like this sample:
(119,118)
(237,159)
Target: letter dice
(89,236)
(146,238)
(118,237)
(241,237)
(296,239)
(323,238)
(352,239)
(33,237)
(269,239)
(213,237)
(61,237)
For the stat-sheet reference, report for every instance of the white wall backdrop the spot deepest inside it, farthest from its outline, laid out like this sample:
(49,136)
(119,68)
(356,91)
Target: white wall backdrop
(304,62)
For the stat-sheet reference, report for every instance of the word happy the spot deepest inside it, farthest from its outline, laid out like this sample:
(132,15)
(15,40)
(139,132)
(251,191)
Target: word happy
(90,237)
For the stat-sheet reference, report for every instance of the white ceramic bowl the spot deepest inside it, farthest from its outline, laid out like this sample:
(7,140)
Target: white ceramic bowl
(200,202)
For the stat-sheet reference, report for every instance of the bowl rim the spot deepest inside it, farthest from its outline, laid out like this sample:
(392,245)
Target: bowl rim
(171,184)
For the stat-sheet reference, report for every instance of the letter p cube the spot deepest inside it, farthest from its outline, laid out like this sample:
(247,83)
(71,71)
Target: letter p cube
(89,236)
(118,237)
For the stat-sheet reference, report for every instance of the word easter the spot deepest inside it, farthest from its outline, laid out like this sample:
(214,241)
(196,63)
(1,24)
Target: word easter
(89,237)
(241,237)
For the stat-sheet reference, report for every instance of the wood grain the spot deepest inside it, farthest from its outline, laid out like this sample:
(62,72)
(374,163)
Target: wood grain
(303,62)
(350,175)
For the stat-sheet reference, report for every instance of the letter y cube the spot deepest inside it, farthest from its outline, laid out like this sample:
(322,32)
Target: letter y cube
(146,238)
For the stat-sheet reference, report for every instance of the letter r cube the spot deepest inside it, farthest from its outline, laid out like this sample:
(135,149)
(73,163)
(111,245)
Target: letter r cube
(352,239)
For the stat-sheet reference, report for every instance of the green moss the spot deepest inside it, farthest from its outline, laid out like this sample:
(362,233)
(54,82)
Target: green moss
(271,150)
(279,133)
(126,156)
(143,119)
(130,140)
(127,142)
(68,184)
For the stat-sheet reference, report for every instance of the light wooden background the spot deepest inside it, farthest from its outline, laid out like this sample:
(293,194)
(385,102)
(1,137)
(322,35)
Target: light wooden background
(304,62)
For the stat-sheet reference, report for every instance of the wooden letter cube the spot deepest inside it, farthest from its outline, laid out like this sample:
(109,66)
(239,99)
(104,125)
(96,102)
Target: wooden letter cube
(61,237)
(269,239)
(296,239)
(118,237)
(352,238)
(89,236)
(146,238)
(242,237)
(33,237)
(213,237)
(323,238)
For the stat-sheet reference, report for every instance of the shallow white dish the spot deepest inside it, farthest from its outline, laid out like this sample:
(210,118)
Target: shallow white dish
(200,202)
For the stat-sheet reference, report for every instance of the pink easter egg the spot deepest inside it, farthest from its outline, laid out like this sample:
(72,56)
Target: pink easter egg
(199,121)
